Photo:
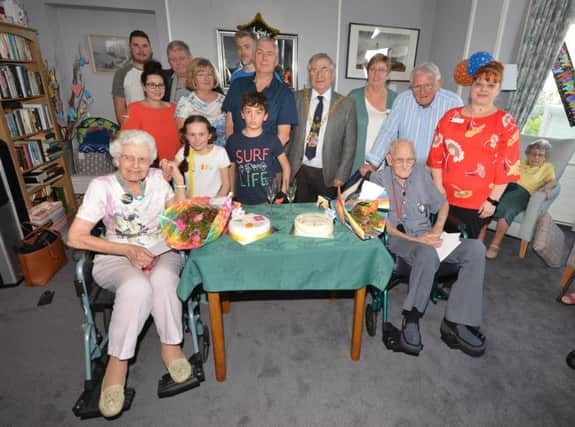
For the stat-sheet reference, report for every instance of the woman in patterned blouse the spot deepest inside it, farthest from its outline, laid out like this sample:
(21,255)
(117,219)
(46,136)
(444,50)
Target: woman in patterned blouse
(475,151)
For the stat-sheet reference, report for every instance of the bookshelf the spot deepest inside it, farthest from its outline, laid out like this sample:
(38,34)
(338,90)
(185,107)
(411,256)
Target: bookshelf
(27,122)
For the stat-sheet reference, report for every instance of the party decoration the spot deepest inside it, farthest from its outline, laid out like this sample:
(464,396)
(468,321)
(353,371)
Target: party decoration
(461,75)
(564,75)
(478,60)
(195,222)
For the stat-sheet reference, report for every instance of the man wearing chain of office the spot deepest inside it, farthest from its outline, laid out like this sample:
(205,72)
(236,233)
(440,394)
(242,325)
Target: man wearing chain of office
(322,147)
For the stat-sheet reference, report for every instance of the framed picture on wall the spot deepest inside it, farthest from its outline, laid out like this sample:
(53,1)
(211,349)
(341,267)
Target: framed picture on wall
(228,61)
(108,53)
(364,41)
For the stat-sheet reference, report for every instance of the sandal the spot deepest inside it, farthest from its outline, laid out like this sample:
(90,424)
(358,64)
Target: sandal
(492,252)
(180,370)
(568,299)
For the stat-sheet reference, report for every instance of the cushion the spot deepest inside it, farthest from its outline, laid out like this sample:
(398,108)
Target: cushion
(561,151)
(549,241)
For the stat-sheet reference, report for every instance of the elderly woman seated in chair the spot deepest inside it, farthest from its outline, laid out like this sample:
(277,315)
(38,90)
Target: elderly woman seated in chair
(536,174)
(129,203)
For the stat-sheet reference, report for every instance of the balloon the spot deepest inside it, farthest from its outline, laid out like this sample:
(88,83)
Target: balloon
(461,75)
(478,60)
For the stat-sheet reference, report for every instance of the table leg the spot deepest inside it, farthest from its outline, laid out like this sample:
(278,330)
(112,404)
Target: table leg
(217,335)
(358,314)
(226,303)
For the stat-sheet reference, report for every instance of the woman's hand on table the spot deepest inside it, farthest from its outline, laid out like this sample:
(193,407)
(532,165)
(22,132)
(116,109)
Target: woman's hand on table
(139,256)
(486,210)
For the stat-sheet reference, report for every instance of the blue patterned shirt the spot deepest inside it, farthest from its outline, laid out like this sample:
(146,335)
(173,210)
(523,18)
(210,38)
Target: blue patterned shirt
(409,120)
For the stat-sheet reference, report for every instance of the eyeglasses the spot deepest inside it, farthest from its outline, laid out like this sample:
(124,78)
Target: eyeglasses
(204,76)
(405,162)
(423,87)
(377,70)
(133,159)
(155,86)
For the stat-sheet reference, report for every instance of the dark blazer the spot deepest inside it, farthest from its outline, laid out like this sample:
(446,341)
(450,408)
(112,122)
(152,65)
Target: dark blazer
(339,142)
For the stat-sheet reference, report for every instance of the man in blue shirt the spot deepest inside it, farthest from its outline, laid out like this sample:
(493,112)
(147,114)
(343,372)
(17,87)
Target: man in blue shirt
(246,48)
(413,196)
(414,116)
(282,113)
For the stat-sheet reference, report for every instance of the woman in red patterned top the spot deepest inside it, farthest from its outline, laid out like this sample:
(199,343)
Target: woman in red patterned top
(475,151)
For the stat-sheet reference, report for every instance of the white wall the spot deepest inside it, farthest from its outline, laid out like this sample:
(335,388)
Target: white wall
(64,27)
(442,24)
(315,22)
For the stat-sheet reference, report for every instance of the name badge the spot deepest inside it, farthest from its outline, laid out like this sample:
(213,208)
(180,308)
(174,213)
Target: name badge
(458,120)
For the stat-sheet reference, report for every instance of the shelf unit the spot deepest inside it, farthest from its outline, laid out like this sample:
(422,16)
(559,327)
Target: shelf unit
(26,114)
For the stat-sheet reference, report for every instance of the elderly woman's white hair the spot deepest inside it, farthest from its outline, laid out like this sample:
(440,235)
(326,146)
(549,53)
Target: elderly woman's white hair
(133,137)
(539,144)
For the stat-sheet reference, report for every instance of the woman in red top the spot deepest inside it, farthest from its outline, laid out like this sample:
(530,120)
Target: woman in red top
(475,150)
(154,115)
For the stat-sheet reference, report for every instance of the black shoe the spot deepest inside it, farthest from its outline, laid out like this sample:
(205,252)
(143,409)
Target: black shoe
(410,338)
(468,340)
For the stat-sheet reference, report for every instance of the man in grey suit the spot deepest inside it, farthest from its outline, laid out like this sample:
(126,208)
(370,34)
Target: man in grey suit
(322,147)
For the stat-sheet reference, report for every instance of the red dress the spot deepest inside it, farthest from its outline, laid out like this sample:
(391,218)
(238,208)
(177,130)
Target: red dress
(475,154)
(158,122)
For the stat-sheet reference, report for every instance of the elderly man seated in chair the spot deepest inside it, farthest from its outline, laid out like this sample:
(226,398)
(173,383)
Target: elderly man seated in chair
(412,237)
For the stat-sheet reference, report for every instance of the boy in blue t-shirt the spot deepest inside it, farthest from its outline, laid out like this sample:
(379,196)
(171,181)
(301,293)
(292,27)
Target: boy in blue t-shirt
(252,152)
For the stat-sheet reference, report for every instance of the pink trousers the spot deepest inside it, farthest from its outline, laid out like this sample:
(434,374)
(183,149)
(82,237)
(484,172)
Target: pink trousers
(139,294)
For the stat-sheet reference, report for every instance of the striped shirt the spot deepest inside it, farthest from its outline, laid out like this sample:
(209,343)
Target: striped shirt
(409,120)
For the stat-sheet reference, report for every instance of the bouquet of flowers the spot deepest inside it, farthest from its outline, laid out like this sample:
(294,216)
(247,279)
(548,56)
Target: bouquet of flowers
(366,218)
(195,222)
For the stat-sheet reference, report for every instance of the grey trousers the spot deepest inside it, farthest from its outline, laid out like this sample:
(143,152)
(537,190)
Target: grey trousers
(465,304)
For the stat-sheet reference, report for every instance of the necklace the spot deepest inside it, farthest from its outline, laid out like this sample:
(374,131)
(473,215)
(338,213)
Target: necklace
(306,98)
(128,197)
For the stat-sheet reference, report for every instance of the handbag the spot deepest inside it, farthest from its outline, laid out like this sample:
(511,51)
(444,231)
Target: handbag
(41,254)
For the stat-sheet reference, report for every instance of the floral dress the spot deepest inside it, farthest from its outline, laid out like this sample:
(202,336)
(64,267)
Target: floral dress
(475,154)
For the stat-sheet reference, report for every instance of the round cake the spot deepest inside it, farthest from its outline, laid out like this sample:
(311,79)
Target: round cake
(313,224)
(249,228)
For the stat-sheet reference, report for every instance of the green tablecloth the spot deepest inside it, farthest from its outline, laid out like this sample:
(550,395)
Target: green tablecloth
(285,262)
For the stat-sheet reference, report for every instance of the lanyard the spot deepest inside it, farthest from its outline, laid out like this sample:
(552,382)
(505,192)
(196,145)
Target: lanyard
(129,197)
(191,167)
(399,207)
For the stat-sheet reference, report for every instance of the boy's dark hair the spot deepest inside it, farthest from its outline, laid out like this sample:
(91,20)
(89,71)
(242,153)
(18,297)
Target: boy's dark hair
(152,68)
(255,99)
(139,33)
(196,118)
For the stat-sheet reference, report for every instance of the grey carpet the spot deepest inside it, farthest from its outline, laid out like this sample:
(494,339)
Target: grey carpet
(288,363)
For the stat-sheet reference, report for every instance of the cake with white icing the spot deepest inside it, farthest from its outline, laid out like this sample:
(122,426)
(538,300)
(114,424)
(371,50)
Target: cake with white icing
(249,228)
(313,224)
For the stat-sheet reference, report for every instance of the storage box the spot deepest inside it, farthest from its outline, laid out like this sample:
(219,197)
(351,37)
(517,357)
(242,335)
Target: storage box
(50,211)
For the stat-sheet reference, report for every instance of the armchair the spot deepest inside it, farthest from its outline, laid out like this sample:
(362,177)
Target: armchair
(523,226)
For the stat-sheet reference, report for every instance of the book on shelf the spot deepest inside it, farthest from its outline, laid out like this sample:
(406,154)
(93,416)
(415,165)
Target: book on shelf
(27,119)
(43,174)
(32,153)
(14,47)
(16,81)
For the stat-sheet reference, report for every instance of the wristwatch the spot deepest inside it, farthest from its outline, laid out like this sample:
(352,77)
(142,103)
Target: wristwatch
(493,202)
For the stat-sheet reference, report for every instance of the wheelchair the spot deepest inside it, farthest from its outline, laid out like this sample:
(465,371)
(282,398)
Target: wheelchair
(98,301)
(445,276)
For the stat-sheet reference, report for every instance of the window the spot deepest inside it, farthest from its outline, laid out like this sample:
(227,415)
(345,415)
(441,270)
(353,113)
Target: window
(548,116)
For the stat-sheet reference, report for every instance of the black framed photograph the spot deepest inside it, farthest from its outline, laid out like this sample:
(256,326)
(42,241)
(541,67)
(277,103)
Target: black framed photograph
(398,43)
(228,61)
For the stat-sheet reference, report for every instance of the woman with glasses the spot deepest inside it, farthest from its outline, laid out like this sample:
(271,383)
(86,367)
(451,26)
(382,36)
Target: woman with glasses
(475,150)
(201,98)
(372,105)
(536,174)
(129,203)
(154,115)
